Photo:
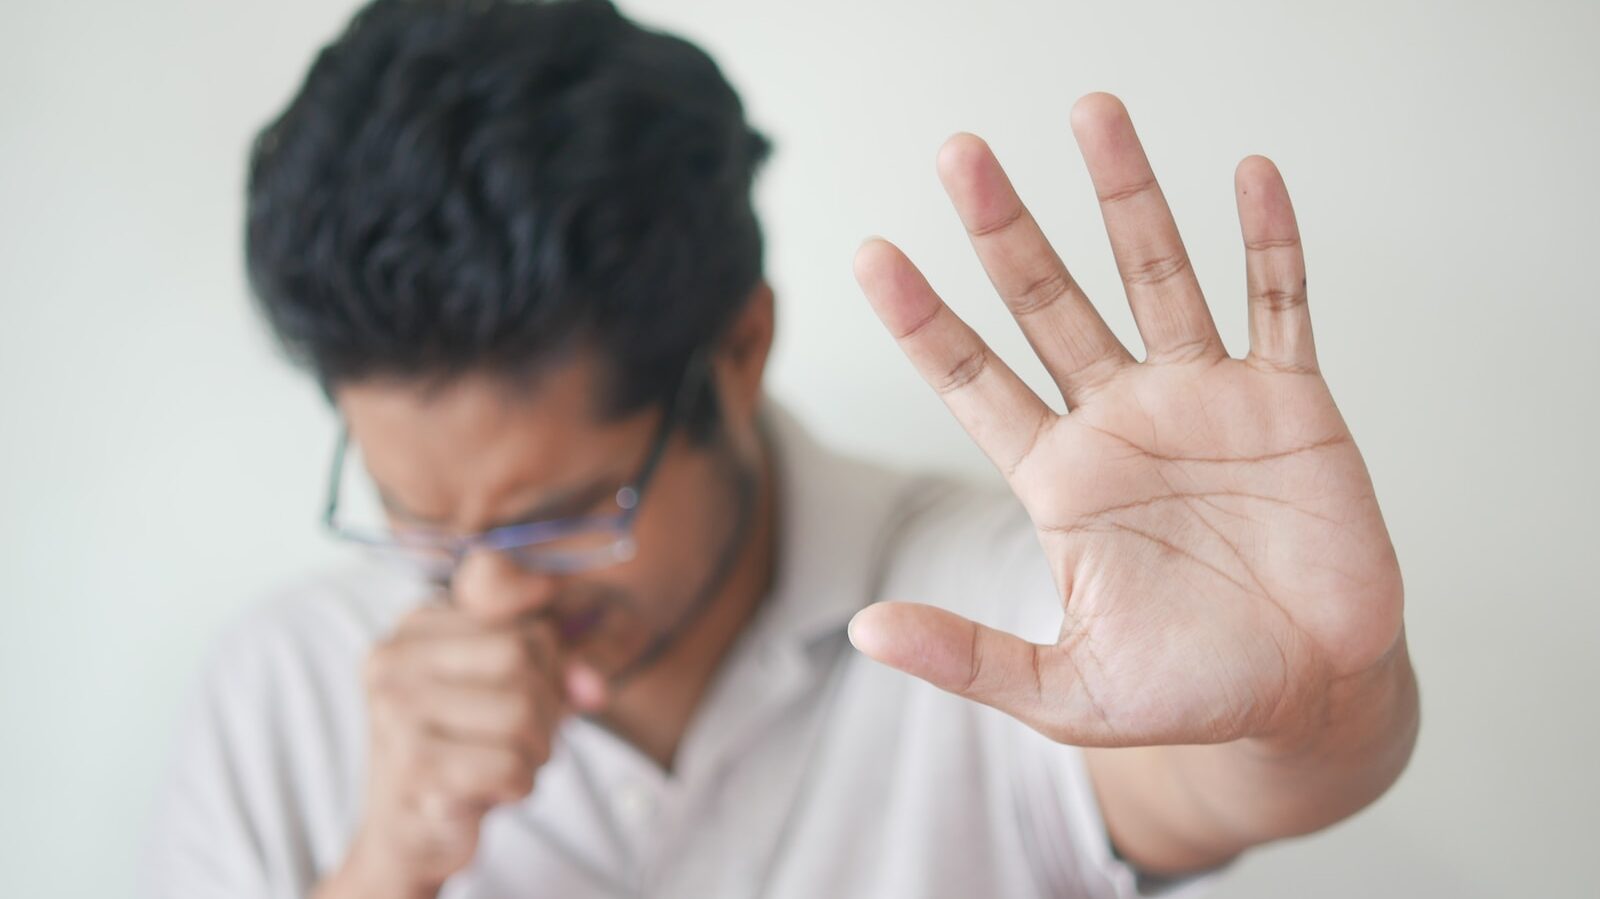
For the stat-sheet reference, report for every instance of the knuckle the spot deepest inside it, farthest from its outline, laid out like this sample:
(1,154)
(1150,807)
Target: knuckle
(1156,269)
(965,371)
(516,780)
(458,779)
(377,669)
(1042,292)
(415,766)
(386,711)
(1272,243)
(1183,352)
(503,776)
(391,710)
(420,755)
(1094,375)
(525,720)
(1270,365)
(539,755)
(1274,299)
(1004,223)
(1126,192)
(511,654)
(923,323)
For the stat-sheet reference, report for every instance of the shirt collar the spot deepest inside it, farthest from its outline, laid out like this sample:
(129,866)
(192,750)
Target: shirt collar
(835,516)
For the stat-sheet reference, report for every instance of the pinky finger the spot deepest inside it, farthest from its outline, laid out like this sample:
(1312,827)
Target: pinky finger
(1275,269)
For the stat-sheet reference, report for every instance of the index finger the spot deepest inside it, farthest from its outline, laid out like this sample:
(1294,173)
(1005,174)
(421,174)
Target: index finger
(471,653)
(1000,412)
(1060,322)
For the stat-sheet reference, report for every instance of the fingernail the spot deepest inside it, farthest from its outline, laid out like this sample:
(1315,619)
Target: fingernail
(855,631)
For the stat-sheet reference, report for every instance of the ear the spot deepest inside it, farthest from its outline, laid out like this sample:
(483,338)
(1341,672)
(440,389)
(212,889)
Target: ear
(740,360)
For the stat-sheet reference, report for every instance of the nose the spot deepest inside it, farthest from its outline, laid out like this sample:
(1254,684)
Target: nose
(493,588)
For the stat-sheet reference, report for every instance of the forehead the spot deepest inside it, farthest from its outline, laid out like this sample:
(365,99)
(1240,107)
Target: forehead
(481,444)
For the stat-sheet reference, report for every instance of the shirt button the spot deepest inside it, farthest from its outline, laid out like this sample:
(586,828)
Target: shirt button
(634,803)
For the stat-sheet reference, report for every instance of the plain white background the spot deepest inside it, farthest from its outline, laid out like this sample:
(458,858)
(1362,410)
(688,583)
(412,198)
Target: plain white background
(159,466)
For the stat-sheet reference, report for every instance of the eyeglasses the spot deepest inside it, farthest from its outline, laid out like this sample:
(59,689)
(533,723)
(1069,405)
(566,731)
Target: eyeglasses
(555,546)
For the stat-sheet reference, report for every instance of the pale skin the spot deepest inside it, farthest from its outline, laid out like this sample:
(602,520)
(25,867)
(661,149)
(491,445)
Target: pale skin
(1232,599)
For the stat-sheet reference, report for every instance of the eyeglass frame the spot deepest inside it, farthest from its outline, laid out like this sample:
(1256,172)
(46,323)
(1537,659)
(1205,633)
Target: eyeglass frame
(510,538)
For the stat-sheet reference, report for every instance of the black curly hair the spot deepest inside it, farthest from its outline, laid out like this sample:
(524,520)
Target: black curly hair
(466,186)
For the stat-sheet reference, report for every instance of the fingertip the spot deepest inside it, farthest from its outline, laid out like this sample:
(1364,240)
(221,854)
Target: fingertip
(1266,211)
(874,256)
(870,252)
(866,631)
(586,688)
(897,291)
(872,244)
(927,642)
(1253,172)
(1256,159)
(895,633)
(960,154)
(1096,108)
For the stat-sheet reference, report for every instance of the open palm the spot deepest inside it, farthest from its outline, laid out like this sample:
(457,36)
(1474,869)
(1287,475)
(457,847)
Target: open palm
(1209,521)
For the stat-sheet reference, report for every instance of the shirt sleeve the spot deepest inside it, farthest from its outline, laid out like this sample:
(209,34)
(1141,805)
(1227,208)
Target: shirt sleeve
(256,801)
(1067,835)
(207,838)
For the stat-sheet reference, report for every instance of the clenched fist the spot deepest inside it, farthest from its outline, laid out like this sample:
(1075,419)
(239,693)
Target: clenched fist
(462,713)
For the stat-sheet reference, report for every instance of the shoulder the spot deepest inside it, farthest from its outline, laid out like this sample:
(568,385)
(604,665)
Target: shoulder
(284,675)
(960,516)
(324,615)
(966,543)
(264,778)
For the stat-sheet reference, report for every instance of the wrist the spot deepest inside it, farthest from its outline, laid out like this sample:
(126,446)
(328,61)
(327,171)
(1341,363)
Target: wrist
(369,873)
(1356,714)
(1342,753)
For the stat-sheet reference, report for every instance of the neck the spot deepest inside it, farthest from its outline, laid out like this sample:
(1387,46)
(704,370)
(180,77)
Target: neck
(654,708)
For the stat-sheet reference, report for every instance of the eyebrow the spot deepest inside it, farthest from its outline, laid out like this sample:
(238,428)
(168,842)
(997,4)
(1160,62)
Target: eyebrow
(561,504)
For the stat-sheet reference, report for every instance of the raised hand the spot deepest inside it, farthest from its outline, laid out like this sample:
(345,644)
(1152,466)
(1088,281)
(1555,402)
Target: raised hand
(1210,524)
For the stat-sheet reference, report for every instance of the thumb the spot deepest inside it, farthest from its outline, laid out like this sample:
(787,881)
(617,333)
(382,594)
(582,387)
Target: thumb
(956,654)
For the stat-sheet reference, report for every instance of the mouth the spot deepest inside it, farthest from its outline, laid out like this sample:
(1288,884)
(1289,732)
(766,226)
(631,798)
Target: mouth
(575,627)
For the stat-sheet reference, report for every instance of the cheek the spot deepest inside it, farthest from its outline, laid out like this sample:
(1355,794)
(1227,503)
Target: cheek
(686,514)
(684,526)
(683,532)
(606,624)
(668,566)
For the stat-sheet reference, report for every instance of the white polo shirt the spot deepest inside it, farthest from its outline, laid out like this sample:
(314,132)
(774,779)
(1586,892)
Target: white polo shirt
(808,770)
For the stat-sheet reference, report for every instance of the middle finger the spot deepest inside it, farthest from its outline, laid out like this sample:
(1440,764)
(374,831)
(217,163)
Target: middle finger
(1160,281)
(1060,322)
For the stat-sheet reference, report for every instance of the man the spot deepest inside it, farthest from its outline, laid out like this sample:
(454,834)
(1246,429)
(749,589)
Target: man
(607,651)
